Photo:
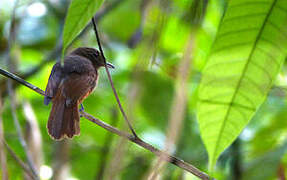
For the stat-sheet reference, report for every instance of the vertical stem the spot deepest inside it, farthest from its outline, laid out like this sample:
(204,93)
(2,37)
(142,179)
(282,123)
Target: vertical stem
(33,135)
(111,81)
(61,160)
(178,107)
(3,159)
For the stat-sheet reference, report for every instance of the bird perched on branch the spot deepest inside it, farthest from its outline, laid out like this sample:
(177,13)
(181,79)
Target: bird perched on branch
(68,86)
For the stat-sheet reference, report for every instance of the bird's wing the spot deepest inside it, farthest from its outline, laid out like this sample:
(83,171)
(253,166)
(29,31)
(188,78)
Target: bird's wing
(76,86)
(53,83)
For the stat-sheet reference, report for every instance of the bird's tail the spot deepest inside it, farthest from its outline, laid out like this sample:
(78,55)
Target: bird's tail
(63,121)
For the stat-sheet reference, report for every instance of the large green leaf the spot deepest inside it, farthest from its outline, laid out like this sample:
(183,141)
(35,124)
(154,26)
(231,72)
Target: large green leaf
(79,14)
(246,56)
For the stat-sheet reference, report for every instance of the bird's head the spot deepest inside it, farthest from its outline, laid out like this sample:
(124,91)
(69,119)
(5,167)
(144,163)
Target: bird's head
(93,55)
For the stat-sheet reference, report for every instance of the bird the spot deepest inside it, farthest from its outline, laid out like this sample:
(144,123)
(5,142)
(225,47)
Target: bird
(68,85)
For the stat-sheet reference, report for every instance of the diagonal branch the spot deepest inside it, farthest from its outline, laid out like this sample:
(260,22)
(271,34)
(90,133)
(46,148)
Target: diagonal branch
(18,160)
(166,157)
(111,81)
(21,81)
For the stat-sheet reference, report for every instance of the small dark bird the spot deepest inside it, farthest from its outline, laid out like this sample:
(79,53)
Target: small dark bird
(68,86)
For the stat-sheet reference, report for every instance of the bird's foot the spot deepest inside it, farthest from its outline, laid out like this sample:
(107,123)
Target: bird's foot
(82,109)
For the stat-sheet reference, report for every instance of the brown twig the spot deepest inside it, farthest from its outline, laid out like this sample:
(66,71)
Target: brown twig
(116,164)
(166,157)
(21,81)
(111,81)
(18,160)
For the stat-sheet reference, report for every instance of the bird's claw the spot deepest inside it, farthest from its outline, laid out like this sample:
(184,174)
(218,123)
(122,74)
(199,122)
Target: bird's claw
(82,109)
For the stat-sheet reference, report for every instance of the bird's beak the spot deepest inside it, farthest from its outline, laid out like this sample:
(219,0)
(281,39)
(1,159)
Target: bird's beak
(109,65)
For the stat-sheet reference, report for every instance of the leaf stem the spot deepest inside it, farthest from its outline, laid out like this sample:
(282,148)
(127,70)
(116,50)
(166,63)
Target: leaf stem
(111,81)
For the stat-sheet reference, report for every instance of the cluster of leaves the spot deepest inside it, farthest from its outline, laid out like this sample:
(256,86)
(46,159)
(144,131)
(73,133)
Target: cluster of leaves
(240,47)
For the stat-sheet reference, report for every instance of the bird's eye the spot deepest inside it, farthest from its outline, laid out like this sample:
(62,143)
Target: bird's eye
(97,54)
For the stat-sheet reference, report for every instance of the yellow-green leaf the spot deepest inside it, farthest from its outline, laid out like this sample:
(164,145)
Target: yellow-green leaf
(245,59)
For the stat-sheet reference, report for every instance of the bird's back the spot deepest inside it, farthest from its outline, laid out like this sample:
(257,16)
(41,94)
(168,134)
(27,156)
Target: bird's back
(67,87)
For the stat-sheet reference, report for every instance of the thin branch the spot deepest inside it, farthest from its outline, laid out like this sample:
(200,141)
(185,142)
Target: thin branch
(166,157)
(116,164)
(21,81)
(111,81)
(18,160)
(3,159)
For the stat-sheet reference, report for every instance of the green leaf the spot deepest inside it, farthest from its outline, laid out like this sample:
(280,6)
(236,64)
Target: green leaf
(246,57)
(79,14)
